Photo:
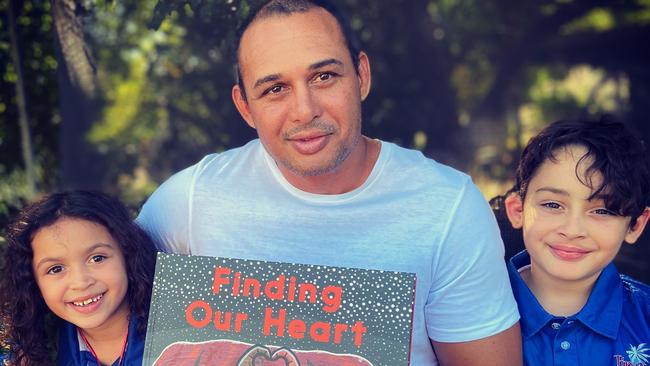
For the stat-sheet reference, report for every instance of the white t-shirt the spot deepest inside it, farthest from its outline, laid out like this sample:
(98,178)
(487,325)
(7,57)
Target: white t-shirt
(412,215)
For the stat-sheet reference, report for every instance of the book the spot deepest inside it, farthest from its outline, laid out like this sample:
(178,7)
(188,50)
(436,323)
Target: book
(236,312)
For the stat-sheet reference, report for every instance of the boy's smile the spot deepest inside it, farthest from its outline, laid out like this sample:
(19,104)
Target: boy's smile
(570,238)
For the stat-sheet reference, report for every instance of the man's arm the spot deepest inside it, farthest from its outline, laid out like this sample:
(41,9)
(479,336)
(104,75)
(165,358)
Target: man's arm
(501,349)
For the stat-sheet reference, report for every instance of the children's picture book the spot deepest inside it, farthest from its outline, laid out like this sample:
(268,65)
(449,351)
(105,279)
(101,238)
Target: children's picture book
(235,312)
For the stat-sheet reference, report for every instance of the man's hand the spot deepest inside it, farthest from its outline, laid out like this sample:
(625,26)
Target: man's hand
(502,349)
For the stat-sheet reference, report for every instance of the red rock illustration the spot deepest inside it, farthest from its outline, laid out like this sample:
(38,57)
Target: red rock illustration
(233,353)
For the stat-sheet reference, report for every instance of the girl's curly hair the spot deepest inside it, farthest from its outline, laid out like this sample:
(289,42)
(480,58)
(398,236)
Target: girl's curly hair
(23,311)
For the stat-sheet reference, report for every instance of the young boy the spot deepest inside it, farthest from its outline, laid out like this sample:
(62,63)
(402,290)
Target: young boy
(581,190)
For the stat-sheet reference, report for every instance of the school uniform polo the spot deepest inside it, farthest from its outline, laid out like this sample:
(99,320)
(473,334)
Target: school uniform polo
(613,328)
(73,351)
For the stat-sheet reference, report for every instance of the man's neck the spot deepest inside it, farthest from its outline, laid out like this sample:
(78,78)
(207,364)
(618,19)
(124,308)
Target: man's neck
(360,162)
(559,298)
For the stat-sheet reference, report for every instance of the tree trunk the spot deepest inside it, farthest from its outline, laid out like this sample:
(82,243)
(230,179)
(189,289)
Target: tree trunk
(80,106)
(21,101)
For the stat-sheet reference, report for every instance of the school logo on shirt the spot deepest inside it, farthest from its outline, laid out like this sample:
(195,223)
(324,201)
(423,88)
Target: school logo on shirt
(638,356)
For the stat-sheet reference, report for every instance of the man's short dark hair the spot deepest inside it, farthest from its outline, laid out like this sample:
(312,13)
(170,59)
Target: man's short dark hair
(287,7)
(612,151)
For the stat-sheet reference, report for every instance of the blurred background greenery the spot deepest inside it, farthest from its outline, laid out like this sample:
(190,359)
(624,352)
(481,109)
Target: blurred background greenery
(118,95)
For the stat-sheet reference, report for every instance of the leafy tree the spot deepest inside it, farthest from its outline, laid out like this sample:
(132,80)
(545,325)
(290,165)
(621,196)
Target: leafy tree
(145,85)
(31,44)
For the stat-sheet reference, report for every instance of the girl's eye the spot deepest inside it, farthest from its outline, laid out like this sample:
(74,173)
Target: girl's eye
(553,205)
(55,269)
(97,258)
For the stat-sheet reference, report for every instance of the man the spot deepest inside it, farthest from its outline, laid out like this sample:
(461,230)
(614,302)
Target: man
(312,189)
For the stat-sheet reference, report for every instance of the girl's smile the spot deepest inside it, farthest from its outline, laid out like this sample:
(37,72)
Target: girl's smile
(89,305)
(81,273)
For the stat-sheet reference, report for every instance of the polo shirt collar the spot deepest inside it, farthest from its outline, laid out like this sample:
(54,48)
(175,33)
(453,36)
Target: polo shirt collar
(601,313)
(603,310)
(533,315)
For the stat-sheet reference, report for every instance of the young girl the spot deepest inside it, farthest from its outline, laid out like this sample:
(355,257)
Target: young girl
(77,255)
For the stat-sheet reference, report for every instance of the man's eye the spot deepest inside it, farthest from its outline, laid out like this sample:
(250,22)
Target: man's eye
(97,258)
(275,89)
(54,269)
(325,76)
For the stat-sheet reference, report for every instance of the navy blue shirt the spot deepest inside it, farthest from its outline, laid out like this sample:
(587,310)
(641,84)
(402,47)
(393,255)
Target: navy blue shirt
(613,328)
(73,351)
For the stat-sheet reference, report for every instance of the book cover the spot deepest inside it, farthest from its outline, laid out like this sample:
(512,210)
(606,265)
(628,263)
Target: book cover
(234,312)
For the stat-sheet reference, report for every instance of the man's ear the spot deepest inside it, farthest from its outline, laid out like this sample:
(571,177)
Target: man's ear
(365,78)
(242,105)
(634,232)
(515,210)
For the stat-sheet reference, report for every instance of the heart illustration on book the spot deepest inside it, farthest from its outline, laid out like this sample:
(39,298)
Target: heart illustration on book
(259,355)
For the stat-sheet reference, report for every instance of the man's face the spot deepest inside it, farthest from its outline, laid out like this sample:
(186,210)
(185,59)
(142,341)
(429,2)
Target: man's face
(303,92)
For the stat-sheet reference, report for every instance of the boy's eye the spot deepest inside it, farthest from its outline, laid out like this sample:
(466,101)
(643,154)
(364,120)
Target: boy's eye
(97,258)
(54,269)
(603,211)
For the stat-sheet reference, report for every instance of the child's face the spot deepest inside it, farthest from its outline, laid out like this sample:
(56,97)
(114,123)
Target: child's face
(81,273)
(569,238)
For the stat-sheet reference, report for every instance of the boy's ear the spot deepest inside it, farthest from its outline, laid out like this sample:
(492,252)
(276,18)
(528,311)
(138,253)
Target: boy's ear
(634,232)
(515,210)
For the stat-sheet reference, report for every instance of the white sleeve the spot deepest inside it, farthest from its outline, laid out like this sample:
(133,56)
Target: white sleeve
(470,297)
(166,215)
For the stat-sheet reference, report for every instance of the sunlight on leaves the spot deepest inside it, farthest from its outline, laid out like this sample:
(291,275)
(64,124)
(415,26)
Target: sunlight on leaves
(583,89)
(599,20)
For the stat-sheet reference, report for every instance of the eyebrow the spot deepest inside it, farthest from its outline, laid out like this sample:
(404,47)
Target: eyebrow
(329,61)
(552,190)
(314,66)
(58,259)
(266,79)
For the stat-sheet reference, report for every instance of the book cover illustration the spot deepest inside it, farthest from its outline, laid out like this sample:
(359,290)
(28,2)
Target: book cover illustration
(234,312)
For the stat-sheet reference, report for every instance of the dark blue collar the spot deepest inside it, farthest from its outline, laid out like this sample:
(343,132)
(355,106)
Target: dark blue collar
(72,350)
(601,313)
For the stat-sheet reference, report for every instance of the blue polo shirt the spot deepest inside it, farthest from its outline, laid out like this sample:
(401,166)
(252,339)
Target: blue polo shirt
(73,351)
(613,328)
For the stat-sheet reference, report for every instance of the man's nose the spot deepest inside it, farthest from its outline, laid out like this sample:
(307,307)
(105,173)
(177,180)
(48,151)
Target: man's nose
(306,106)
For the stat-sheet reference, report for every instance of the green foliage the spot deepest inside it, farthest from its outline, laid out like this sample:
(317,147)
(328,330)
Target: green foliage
(34,33)
(454,79)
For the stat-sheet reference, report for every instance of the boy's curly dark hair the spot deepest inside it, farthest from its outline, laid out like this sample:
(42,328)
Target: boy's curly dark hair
(23,309)
(612,151)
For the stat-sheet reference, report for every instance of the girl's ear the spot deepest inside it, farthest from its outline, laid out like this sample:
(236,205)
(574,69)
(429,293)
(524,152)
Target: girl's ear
(515,210)
(634,232)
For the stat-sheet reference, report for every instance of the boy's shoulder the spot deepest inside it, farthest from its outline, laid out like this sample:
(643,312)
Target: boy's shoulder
(636,291)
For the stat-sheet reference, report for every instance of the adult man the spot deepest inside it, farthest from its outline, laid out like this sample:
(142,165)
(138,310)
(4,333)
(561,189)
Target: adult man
(314,190)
